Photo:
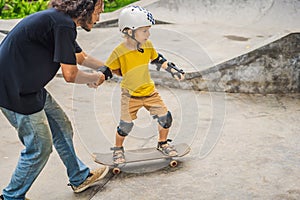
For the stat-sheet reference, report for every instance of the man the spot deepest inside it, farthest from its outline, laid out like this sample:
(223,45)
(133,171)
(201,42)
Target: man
(30,56)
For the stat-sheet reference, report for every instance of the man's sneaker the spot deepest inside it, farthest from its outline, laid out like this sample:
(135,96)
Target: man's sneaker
(2,198)
(166,148)
(94,176)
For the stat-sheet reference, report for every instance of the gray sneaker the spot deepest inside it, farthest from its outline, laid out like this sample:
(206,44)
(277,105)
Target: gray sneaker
(166,148)
(95,175)
(118,155)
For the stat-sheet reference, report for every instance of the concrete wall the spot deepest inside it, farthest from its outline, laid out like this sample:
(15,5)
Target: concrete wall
(273,68)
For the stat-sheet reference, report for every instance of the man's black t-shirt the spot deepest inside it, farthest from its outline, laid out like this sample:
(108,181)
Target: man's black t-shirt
(30,56)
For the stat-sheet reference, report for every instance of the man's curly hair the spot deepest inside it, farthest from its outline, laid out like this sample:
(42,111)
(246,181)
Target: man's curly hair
(80,9)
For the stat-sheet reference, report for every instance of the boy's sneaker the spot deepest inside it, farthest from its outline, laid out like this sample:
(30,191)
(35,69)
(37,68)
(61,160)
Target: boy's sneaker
(166,148)
(118,155)
(94,176)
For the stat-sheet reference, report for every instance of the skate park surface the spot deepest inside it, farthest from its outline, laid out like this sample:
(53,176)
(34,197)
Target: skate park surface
(244,146)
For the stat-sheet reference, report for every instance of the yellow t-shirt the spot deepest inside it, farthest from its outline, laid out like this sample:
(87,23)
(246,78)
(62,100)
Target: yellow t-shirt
(134,67)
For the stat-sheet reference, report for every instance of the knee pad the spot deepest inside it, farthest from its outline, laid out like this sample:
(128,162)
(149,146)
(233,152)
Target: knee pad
(124,128)
(166,120)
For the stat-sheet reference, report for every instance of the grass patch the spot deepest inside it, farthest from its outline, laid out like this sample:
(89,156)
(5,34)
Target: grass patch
(14,9)
(112,5)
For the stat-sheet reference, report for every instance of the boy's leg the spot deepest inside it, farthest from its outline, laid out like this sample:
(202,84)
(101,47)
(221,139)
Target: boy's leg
(34,133)
(164,122)
(62,133)
(163,133)
(123,130)
(158,109)
(129,108)
(119,140)
(118,150)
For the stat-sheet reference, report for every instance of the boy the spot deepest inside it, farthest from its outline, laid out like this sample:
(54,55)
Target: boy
(130,60)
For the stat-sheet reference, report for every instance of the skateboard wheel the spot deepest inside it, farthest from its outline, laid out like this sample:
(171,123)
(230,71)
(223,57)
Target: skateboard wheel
(173,163)
(116,170)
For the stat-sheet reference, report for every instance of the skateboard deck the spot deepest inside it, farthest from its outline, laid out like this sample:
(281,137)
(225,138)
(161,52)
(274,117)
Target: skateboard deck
(140,155)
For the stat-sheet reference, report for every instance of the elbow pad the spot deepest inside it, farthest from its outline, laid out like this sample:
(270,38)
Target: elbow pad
(159,61)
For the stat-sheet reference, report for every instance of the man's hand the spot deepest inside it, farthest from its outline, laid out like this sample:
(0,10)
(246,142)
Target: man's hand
(101,79)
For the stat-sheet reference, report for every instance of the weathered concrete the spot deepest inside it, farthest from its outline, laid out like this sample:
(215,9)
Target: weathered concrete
(243,146)
(273,68)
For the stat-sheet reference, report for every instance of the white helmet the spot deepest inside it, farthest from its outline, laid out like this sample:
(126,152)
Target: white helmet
(134,17)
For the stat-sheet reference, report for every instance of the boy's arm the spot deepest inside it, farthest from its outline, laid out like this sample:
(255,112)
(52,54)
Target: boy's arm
(170,67)
(117,72)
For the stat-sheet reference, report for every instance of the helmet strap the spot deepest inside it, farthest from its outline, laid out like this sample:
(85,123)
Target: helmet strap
(133,37)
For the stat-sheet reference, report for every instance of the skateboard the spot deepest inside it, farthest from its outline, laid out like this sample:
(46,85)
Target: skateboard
(140,155)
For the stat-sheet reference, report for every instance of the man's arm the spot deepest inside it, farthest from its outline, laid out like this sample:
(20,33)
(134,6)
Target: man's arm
(73,75)
(93,63)
(88,61)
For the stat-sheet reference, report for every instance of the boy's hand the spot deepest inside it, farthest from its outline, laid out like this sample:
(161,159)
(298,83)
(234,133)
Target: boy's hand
(178,76)
(177,73)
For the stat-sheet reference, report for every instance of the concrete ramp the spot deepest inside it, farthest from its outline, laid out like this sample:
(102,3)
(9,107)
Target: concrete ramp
(273,68)
(250,46)
(267,13)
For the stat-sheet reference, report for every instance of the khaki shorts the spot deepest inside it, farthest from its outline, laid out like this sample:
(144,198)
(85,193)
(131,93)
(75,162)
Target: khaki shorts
(130,105)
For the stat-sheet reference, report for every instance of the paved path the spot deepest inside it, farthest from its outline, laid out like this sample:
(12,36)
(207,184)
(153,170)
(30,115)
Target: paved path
(243,146)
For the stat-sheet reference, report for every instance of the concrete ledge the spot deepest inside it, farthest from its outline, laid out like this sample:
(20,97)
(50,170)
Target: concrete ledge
(273,68)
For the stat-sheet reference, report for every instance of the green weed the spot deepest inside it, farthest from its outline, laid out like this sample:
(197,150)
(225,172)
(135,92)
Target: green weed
(13,9)
(10,9)
(112,5)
